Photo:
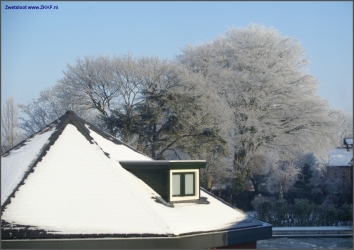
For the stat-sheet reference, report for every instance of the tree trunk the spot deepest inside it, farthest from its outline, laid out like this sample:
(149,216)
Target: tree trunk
(154,140)
(256,189)
(140,143)
(209,181)
(281,192)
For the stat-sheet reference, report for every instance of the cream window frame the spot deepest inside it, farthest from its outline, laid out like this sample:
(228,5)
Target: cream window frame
(196,185)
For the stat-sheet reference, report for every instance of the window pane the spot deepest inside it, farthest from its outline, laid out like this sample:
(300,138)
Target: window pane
(189,184)
(176,184)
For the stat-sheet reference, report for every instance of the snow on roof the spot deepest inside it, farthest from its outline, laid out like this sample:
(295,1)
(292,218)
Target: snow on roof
(116,152)
(349,141)
(340,157)
(77,189)
(17,162)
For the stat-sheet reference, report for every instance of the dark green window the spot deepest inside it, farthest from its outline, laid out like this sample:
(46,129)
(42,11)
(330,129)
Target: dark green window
(183,184)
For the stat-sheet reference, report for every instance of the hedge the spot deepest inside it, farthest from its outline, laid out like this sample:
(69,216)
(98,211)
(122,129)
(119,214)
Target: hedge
(302,213)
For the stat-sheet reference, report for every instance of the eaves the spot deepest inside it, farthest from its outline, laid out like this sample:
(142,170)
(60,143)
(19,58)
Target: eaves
(195,240)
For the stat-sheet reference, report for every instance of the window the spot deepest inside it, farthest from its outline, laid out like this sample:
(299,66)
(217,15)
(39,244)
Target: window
(183,184)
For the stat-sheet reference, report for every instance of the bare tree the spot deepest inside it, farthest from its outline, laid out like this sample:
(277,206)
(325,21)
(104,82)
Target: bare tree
(10,128)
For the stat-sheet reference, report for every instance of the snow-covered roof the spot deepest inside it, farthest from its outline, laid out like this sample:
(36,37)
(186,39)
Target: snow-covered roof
(67,178)
(348,141)
(340,157)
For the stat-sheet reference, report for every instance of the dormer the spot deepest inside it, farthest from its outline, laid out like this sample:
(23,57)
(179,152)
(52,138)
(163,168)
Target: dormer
(174,181)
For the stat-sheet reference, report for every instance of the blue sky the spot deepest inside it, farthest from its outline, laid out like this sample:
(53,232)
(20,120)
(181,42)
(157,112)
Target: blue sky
(36,45)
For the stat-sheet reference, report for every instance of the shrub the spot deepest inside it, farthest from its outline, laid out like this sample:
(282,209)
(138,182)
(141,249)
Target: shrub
(302,213)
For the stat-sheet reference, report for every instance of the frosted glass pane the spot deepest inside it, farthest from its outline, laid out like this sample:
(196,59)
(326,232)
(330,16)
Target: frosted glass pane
(188,184)
(176,184)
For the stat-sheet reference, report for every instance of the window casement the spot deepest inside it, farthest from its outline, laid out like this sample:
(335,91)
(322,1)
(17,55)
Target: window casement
(183,184)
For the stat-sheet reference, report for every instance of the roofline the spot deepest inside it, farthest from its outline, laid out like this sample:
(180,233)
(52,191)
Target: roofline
(197,240)
(160,164)
(223,201)
(42,130)
(97,130)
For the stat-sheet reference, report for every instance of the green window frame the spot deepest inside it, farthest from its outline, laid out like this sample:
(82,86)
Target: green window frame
(183,184)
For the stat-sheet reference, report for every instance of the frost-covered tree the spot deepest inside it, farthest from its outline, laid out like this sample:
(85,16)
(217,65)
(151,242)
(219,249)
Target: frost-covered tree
(150,103)
(256,171)
(303,187)
(51,104)
(272,99)
(92,83)
(167,120)
(91,87)
(11,133)
(105,83)
(41,111)
(344,127)
(281,176)
(218,171)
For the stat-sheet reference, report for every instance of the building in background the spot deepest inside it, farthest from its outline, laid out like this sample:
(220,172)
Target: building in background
(339,165)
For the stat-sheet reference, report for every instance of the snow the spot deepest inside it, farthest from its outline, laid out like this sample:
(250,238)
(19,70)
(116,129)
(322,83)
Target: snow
(349,141)
(63,192)
(16,164)
(340,157)
(190,217)
(116,152)
(77,189)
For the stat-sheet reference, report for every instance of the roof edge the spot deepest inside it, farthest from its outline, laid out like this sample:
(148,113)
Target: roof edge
(184,164)
(207,239)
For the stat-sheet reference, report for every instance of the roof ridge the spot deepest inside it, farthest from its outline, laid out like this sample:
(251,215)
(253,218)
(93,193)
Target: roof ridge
(42,130)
